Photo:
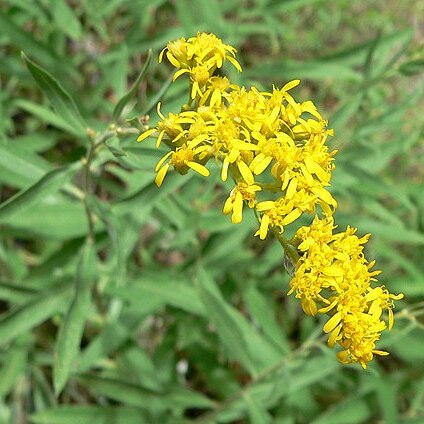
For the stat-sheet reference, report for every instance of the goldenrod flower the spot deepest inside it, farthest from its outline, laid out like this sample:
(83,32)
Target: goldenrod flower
(241,193)
(203,50)
(182,159)
(333,277)
(275,150)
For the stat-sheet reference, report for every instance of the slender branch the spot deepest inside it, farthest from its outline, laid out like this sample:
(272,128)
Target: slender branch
(289,249)
(95,145)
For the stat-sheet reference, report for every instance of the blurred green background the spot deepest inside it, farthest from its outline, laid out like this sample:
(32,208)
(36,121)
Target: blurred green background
(174,314)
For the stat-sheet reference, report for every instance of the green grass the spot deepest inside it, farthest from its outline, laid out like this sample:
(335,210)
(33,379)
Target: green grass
(173,314)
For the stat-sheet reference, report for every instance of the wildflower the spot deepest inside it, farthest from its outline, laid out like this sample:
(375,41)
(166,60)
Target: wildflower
(333,277)
(203,49)
(182,159)
(241,193)
(275,149)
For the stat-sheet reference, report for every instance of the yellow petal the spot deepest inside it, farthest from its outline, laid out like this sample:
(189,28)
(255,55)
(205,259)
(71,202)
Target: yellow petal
(291,189)
(245,172)
(161,175)
(380,352)
(292,216)
(202,170)
(179,73)
(332,323)
(263,230)
(160,163)
(333,336)
(237,209)
(173,60)
(291,85)
(262,165)
(234,63)
(228,206)
(146,134)
(309,307)
(224,170)
(265,205)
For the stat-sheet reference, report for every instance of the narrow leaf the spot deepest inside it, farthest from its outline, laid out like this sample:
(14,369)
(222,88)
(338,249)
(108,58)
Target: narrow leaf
(227,327)
(48,184)
(32,314)
(60,99)
(90,414)
(133,90)
(71,330)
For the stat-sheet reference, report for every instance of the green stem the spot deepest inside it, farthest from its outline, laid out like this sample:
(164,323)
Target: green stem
(95,145)
(289,250)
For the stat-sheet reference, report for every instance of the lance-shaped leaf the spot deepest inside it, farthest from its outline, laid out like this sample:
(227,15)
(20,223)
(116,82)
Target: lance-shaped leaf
(71,330)
(60,99)
(89,414)
(49,183)
(32,314)
(133,90)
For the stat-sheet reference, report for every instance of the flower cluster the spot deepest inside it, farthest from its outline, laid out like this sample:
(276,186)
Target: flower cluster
(333,277)
(248,132)
(274,149)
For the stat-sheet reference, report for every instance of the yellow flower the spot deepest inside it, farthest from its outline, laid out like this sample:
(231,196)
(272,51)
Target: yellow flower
(241,193)
(182,159)
(278,214)
(333,277)
(203,49)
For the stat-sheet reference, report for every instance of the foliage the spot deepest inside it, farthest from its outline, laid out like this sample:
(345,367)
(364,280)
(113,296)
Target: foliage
(121,302)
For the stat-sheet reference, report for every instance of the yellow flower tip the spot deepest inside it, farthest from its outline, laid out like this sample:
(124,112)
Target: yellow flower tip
(160,176)
(236,218)
(200,169)
(292,216)
(263,230)
(245,172)
(332,323)
(309,307)
(228,206)
(146,134)
(343,356)
(290,85)
(380,352)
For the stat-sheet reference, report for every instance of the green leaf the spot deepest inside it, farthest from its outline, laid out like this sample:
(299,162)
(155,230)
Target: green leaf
(70,333)
(257,413)
(133,90)
(62,102)
(156,97)
(19,167)
(49,183)
(313,70)
(14,364)
(26,41)
(54,218)
(32,314)
(66,20)
(262,312)
(90,415)
(47,116)
(135,395)
(16,294)
(412,67)
(170,289)
(227,327)
(349,411)
(112,336)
